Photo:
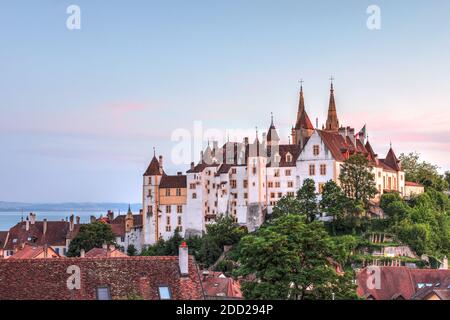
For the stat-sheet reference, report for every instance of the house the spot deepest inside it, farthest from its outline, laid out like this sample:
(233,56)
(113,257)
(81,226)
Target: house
(54,234)
(105,252)
(127,229)
(27,251)
(217,286)
(398,283)
(413,188)
(149,278)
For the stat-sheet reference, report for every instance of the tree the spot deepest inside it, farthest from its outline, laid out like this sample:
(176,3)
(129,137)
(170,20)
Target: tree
(131,250)
(447,178)
(92,235)
(423,172)
(225,231)
(334,203)
(165,247)
(307,199)
(291,260)
(357,179)
(286,205)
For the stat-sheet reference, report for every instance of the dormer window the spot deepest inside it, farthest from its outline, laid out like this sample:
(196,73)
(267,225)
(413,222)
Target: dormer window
(288,157)
(164,293)
(277,158)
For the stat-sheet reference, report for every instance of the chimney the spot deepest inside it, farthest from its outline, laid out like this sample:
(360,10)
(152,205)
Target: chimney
(78,219)
(317,123)
(351,135)
(45,248)
(444,264)
(246,140)
(343,132)
(71,223)
(183,259)
(179,173)
(44,226)
(192,165)
(105,245)
(32,218)
(92,219)
(161,170)
(27,224)
(82,253)
(110,215)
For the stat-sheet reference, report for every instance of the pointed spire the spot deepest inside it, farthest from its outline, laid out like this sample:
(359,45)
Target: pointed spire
(272,135)
(303,121)
(332,123)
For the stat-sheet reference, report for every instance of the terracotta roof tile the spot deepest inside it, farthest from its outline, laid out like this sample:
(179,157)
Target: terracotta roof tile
(178,181)
(46,279)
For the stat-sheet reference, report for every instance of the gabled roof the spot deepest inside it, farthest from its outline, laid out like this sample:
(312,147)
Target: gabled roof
(105,253)
(283,151)
(392,161)
(32,252)
(336,144)
(46,279)
(56,234)
(177,181)
(120,219)
(399,281)
(216,284)
(153,168)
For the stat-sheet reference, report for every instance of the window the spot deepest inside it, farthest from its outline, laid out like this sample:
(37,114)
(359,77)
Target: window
(290,194)
(179,209)
(276,173)
(149,194)
(290,184)
(254,170)
(179,220)
(312,170)
(287,173)
(178,192)
(57,250)
(149,180)
(288,157)
(233,171)
(272,195)
(192,185)
(245,195)
(316,150)
(323,169)
(168,220)
(245,184)
(168,209)
(270,184)
(167,192)
(379,174)
(233,184)
(277,184)
(103,293)
(194,195)
(280,195)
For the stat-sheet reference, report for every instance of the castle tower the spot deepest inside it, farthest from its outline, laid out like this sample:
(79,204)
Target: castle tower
(332,123)
(129,221)
(272,136)
(303,127)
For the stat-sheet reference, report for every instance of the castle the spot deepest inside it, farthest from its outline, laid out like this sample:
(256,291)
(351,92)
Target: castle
(246,179)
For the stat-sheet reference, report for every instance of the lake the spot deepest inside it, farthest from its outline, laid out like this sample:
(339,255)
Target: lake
(9,219)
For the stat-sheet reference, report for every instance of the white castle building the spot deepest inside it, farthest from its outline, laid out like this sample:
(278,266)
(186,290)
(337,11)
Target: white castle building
(245,180)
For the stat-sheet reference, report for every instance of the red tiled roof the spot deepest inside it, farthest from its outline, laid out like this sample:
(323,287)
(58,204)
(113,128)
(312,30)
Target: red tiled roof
(105,253)
(118,229)
(32,252)
(46,279)
(153,168)
(399,281)
(392,161)
(56,234)
(137,220)
(178,181)
(412,184)
(335,143)
(3,235)
(215,284)
(283,150)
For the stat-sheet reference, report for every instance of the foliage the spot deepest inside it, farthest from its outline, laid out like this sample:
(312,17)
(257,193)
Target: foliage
(131,250)
(357,180)
(286,205)
(164,247)
(307,199)
(290,259)
(92,235)
(423,172)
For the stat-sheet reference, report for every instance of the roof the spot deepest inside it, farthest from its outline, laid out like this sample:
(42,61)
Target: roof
(56,234)
(392,161)
(105,253)
(336,143)
(153,168)
(46,279)
(441,290)
(412,184)
(283,150)
(137,219)
(399,282)
(178,181)
(3,236)
(216,284)
(32,252)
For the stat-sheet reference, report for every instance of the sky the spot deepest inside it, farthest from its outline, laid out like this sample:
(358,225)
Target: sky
(81,110)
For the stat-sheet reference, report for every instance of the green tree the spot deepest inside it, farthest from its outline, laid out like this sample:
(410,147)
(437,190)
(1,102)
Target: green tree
(334,202)
(92,235)
(447,179)
(286,205)
(307,199)
(131,250)
(357,179)
(422,172)
(164,247)
(291,260)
